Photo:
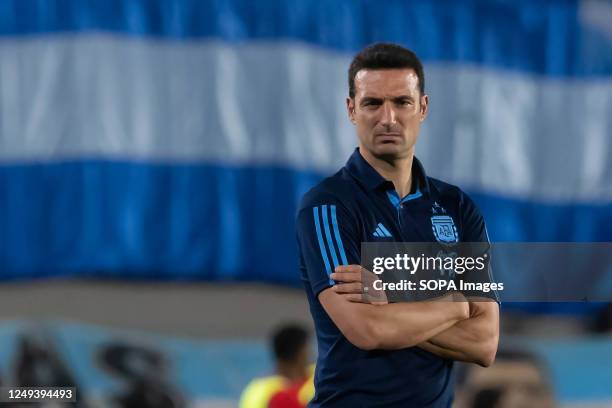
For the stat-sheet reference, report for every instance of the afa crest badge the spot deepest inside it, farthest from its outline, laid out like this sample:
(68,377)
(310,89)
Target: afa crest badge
(444,229)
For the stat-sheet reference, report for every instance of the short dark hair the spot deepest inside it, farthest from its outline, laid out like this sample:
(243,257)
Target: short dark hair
(288,340)
(385,56)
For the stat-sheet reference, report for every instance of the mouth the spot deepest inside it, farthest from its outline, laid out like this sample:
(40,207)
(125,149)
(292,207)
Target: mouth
(388,137)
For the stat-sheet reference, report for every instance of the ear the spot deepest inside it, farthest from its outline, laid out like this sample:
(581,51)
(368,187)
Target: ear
(424,107)
(350,107)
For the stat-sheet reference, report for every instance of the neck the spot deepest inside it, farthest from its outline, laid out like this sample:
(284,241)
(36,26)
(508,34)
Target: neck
(396,170)
(292,372)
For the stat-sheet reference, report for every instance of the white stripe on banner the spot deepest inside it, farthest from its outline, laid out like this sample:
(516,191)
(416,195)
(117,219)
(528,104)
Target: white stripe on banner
(520,135)
(88,96)
(282,104)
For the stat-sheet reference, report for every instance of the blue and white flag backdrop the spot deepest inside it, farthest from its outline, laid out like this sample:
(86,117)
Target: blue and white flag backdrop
(173,139)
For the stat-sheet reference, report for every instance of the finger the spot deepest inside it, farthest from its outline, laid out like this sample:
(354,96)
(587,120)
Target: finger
(377,297)
(348,268)
(368,273)
(346,276)
(353,297)
(354,287)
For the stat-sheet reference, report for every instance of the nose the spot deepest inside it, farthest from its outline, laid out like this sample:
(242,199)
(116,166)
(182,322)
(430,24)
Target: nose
(388,114)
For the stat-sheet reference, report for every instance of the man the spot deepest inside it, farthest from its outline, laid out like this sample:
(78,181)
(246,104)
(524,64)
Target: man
(400,354)
(291,349)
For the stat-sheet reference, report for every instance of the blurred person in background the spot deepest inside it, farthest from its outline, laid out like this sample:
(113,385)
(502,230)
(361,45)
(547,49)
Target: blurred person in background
(146,373)
(397,354)
(603,321)
(291,348)
(297,395)
(517,379)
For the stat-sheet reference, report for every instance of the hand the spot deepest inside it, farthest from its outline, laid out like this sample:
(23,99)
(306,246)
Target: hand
(357,285)
(465,306)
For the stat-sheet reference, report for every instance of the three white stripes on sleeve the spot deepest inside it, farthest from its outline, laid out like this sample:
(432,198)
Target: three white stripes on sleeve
(325,222)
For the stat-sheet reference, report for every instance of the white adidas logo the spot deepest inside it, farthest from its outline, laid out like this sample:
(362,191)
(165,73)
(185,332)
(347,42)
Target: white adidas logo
(382,232)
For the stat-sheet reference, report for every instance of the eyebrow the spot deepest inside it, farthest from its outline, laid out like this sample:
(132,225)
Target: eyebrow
(395,99)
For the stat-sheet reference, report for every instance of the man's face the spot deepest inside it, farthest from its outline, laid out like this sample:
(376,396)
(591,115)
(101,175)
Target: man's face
(387,111)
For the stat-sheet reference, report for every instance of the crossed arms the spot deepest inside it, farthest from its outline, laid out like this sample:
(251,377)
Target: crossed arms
(451,326)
